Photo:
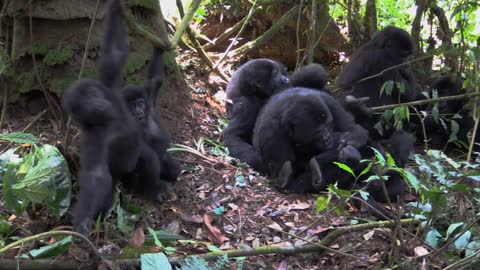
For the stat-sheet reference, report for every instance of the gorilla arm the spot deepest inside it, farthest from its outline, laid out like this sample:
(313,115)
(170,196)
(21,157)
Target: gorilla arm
(238,134)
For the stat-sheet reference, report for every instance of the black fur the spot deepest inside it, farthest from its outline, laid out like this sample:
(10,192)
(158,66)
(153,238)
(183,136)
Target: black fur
(313,76)
(299,124)
(248,90)
(388,48)
(113,142)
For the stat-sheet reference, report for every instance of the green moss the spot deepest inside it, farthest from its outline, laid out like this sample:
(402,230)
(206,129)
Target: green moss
(59,55)
(136,79)
(89,73)
(135,61)
(147,4)
(6,68)
(40,48)
(59,85)
(25,82)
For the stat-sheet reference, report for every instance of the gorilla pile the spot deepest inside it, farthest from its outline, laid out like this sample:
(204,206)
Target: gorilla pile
(120,139)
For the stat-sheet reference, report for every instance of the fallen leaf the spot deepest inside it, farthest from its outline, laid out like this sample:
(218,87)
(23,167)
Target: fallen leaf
(137,238)
(275,226)
(192,218)
(368,235)
(318,230)
(420,251)
(282,266)
(299,206)
(213,233)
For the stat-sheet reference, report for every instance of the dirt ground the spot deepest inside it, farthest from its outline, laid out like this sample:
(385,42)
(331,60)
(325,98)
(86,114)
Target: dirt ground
(255,213)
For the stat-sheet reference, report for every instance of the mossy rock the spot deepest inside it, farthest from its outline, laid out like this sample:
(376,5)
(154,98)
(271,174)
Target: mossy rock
(136,61)
(25,82)
(59,56)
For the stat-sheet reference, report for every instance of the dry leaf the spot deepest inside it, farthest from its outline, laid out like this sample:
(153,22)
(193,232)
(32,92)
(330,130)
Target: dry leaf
(137,238)
(213,233)
(420,251)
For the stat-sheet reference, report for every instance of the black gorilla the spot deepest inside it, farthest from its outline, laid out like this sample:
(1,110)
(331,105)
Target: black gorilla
(113,141)
(313,76)
(439,131)
(248,90)
(388,48)
(299,124)
(141,102)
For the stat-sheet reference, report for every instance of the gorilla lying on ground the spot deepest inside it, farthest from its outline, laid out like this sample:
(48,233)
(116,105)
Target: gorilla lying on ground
(388,48)
(113,143)
(248,90)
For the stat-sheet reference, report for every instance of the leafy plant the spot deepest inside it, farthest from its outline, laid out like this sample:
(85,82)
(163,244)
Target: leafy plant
(39,174)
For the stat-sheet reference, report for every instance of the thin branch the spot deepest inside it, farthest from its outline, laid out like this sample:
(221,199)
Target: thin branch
(184,24)
(250,13)
(268,34)
(422,102)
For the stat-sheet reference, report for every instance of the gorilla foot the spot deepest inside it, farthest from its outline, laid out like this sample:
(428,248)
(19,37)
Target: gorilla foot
(318,182)
(284,174)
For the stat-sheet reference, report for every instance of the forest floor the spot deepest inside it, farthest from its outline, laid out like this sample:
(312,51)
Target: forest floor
(227,205)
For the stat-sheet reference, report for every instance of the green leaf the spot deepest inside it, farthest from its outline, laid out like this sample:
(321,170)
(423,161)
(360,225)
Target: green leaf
(240,180)
(155,238)
(155,261)
(19,137)
(51,250)
(322,203)
(472,247)
(453,227)
(345,168)
(379,157)
(162,236)
(364,194)
(387,87)
(219,210)
(4,227)
(462,242)
(367,169)
(432,238)
(213,248)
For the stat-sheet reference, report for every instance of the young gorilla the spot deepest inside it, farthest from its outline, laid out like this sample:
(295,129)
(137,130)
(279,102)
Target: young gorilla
(301,130)
(248,90)
(112,143)
(388,48)
(313,76)
(141,102)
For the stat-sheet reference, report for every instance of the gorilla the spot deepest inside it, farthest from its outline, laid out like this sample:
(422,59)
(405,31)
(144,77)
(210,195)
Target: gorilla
(113,143)
(388,48)
(440,132)
(141,102)
(299,124)
(313,76)
(248,90)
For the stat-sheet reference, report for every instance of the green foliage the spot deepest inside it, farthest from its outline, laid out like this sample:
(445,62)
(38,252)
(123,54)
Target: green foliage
(155,261)
(166,249)
(49,251)
(40,48)
(59,85)
(18,137)
(59,55)
(26,81)
(197,263)
(442,186)
(41,175)
(135,61)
